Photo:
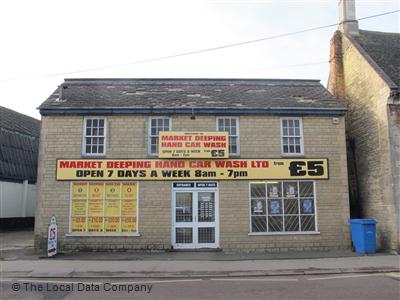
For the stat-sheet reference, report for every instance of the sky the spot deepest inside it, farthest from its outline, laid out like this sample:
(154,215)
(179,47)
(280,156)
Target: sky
(43,42)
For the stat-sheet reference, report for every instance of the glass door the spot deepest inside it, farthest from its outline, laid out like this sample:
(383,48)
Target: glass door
(184,220)
(205,224)
(195,219)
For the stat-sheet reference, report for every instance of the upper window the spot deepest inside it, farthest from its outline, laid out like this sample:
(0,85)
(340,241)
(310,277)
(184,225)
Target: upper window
(94,136)
(292,136)
(231,125)
(157,124)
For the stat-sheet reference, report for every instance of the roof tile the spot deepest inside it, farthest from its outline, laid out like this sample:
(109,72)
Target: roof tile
(19,143)
(384,49)
(193,93)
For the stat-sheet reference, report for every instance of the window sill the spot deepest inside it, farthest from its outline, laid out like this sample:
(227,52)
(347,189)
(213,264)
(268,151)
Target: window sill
(283,233)
(292,155)
(93,156)
(104,234)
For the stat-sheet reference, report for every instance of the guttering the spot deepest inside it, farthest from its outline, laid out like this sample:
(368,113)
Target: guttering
(197,111)
(12,179)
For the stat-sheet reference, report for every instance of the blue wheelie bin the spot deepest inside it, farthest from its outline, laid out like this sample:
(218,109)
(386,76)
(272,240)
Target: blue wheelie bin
(363,235)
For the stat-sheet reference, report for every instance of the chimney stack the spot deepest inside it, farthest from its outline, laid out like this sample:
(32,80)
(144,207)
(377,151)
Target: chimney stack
(347,14)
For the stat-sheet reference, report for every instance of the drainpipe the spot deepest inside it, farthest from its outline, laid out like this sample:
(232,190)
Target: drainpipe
(394,140)
(24,198)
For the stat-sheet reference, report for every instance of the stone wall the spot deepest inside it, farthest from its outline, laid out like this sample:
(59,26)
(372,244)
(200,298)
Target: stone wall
(365,94)
(259,138)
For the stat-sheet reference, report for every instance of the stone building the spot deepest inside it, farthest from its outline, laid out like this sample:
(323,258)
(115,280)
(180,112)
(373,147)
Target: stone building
(19,147)
(159,164)
(365,76)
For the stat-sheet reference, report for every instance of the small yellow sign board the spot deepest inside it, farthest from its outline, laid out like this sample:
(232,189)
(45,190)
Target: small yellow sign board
(173,144)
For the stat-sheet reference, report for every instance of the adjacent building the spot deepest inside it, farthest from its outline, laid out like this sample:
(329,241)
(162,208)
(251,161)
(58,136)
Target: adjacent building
(19,146)
(365,76)
(158,164)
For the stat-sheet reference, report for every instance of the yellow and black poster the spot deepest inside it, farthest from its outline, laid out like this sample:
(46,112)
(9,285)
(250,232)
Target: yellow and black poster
(112,207)
(103,208)
(78,208)
(95,224)
(79,202)
(78,224)
(128,207)
(96,190)
(95,207)
(128,190)
(127,224)
(112,224)
(80,190)
(113,190)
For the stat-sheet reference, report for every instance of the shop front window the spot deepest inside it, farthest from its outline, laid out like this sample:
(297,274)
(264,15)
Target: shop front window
(282,206)
(103,208)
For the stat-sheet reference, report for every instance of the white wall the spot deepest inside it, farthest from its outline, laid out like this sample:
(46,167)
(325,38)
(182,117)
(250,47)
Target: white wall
(17,199)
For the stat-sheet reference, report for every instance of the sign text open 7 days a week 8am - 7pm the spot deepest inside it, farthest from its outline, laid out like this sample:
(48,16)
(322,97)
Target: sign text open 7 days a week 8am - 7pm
(200,169)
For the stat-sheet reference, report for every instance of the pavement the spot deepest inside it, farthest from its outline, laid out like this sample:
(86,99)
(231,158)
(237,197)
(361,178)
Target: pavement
(197,268)
(16,239)
(17,259)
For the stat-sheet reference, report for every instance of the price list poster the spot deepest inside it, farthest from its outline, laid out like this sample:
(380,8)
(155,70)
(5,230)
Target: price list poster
(103,208)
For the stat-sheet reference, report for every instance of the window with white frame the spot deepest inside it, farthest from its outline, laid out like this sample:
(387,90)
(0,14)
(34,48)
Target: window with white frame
(282,207)
(292,136)
(94,136)
(231,125)
(157,124)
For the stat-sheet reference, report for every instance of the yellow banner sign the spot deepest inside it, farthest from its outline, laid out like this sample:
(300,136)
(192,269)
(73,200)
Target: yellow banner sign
(157,169)
(193,144)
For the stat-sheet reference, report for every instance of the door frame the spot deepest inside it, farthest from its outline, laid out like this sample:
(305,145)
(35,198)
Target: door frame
(195,187)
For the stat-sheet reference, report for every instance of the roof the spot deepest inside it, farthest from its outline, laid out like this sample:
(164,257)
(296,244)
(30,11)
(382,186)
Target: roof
(19,143)
(383,48)
(15,121)
(182,95)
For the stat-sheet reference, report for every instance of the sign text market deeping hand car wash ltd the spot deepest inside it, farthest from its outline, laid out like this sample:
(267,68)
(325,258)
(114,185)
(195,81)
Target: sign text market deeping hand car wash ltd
(192,169)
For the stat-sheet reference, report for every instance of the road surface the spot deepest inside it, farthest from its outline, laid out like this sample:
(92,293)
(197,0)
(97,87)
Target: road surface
(342,286)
